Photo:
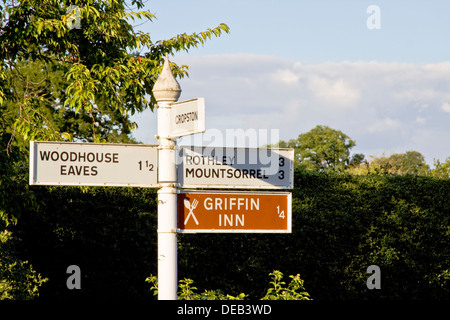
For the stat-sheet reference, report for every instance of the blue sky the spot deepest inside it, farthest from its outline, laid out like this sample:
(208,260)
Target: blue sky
(291,65)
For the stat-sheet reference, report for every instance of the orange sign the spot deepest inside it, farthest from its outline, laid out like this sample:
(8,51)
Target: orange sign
(234,212)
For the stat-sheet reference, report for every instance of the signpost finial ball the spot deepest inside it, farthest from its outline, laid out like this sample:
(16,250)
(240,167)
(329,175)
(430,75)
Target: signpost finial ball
(166,87)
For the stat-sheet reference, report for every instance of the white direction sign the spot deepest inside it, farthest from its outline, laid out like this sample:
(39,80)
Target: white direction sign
(248,168)
(188,117)
(93,164)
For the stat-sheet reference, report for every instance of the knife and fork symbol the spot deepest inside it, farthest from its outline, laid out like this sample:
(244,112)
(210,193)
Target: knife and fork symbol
(191,208)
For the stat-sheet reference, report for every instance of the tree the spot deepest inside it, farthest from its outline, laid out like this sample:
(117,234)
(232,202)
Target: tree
(323,148)
(441,170)
(105,69)
(60,81)
(410,162)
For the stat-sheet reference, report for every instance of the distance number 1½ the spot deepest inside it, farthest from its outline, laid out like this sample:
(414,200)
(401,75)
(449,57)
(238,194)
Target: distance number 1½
(145,165)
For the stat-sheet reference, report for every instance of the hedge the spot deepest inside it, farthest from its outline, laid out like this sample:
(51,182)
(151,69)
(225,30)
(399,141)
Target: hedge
(342,224)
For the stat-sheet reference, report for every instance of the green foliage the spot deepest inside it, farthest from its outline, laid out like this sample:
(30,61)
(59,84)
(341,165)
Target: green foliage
(323,149)
(18,280)
(82,83)
(410,162)
(59,82)
(294,291)
(15,194)
(341,225)
(110,233)
(441,170)
(188,292)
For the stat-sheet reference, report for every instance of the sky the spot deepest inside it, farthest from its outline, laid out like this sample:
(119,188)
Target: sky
(379,71)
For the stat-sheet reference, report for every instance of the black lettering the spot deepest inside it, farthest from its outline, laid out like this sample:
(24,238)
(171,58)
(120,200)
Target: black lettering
(245,173)
(91,157)
(85,170)
(73,156)
(252,173)
(45,155)
(63,170)
(186,117)
(258,174)
(71,171)
(78,170)
(115,158)
(197,175)
(64,155)
(100,159)
(81,155)
(57,156)
(196,160)
(189,172)
(94,171)
(108,157)
(229,173)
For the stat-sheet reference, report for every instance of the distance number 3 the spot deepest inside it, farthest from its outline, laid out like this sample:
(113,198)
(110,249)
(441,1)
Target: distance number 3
(281,172)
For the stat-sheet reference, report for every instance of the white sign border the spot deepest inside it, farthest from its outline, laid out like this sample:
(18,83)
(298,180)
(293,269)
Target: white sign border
(201,124)
(181,185)
(289,213)
(33,166)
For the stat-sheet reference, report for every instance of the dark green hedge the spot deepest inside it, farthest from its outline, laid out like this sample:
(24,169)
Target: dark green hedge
(341,225)
(110,233)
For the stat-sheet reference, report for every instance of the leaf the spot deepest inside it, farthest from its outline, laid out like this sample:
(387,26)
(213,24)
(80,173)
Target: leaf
(67,136)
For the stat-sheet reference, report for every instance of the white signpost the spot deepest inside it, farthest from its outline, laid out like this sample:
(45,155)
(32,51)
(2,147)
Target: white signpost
(93,164)
(248,168)
(187,117)
(169,168)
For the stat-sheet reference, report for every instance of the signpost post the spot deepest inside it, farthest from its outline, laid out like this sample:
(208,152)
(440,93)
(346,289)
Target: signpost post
(166,91)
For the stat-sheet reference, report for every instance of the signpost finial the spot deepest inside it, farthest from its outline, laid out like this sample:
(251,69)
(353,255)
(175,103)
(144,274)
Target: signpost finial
(166,87)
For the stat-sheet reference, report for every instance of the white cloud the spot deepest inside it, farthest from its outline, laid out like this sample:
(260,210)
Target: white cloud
(445,107)
(421,120)
(333,92)
(383,125)
(286,76)
(380,105)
